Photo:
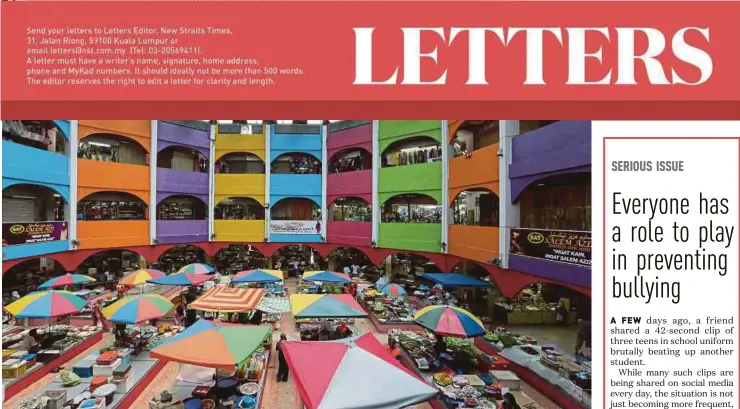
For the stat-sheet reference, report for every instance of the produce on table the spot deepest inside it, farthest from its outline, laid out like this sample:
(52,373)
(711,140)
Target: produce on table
(443,379)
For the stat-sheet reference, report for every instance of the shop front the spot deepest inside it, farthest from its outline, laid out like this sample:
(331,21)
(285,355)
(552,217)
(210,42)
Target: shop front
(349,222)
(239,219)
(234,258)
(295,220)
(297,258)
(411,222)
(182,219)
(172,260)
(35,219)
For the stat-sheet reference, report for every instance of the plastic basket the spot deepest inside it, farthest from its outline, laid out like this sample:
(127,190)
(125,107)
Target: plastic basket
(57,398)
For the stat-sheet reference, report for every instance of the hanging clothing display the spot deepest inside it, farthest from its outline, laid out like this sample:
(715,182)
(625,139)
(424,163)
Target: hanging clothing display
(413,156)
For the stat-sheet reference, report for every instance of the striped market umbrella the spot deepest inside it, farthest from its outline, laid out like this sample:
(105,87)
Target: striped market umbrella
(66,280)
(226,299)
(394,290)
(331,375)
(182,279)
(46,304)
(449,321)
(258,276)
(197,268)
(134,309)
(325,306)
(213,345)
(327,277)
(140,277)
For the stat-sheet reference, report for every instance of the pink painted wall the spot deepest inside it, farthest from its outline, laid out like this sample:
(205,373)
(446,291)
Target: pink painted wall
(357,137)
(349,233)
(357,184)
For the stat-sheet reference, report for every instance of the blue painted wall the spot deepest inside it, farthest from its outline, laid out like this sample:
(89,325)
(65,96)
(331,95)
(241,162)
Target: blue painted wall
(26,165)
(287,143)
(295,238)
(284,186)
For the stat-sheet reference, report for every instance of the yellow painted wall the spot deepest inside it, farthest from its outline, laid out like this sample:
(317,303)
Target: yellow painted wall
(239,185)
(239,230)
(226,143)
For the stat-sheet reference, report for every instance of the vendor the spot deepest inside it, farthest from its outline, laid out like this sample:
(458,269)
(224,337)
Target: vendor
(120,332)
(395,350)
(343,331)
(509,402)
(440,347)
(256,318)
(32,341)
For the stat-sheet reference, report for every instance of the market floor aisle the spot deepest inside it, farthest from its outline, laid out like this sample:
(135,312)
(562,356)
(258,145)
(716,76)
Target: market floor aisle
(42,383)
(283,395)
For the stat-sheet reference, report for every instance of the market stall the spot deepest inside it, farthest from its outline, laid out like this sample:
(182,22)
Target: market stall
(104,378)
(562,378)
(465,377)
(240,353)
(258,276)
(390,307)
(334,375)
(530,308)
(327,316)
(30,354)
(227,299)
(66,280)
(326,277)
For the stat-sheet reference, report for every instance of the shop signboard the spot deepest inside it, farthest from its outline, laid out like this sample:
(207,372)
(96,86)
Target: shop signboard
(30,233)
(565,246)
(295,227)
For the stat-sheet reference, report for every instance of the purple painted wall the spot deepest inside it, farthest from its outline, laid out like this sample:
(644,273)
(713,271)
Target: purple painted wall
(349,233)
(561,147)
(177,182)
(563,272)
(357,184)
(182,231)
(182,136)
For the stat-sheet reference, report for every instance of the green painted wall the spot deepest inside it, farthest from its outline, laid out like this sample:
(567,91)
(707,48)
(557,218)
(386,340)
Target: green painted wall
(424,178)
(410,236)
(392,131)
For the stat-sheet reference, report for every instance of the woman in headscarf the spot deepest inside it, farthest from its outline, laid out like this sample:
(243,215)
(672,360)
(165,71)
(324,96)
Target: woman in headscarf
(282,375)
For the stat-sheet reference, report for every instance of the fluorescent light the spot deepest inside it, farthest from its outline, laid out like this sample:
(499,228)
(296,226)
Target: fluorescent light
(23,197)
(540,185)
(57,195)
(105,145)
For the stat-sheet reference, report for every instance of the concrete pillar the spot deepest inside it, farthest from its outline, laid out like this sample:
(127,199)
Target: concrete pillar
(508,214)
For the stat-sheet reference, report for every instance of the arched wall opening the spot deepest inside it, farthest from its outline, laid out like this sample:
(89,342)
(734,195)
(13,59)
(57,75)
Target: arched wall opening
(28,203)
(239,208)
(476,207)
(109,147)
(182,207)
(242,163)
(176,257)
(548,298)
(342,257)
(351,160)
(116,262)
(43,135)
(295,209)
(111,206)
(183,159)
(26,276)
(473,135)
(405,267)
(298,258)
(296,163)
(412,151)
(350,209)
(560,202)
(234,258)
(411,208)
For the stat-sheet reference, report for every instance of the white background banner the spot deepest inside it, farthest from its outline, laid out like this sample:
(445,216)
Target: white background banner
(296,227)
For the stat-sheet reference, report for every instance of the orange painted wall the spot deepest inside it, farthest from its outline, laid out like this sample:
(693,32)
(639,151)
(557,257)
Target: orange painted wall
(112,233)
(139,131)
(96,176)
(479,170)
(474,242)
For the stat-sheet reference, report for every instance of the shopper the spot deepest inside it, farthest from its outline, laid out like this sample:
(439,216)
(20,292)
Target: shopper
(282,375)
(583,338)
(32,341)
(509,402)
(347,270)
